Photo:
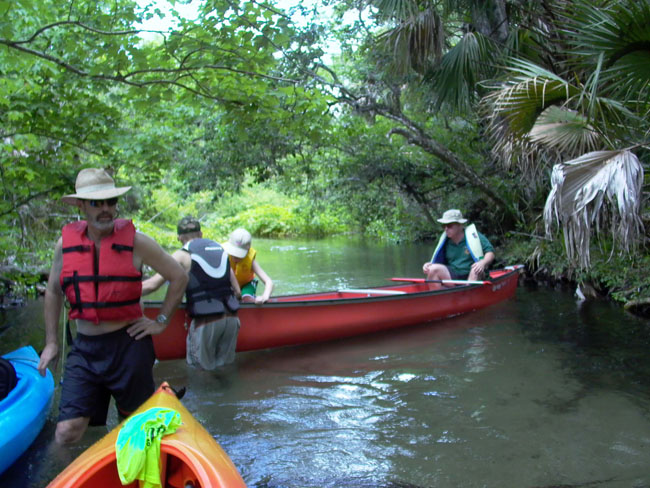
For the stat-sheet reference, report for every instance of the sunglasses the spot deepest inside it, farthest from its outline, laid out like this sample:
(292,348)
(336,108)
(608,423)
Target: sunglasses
(111,202)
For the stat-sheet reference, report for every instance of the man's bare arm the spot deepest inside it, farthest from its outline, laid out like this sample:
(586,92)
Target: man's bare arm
(480,267)
(154,256)
(53,303)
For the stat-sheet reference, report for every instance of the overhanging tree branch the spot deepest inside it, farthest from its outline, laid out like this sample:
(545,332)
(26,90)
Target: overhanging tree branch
(413,133)
(30,197)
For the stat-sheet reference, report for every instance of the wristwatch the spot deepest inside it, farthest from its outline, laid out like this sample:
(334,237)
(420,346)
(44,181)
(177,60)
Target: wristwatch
(162,319)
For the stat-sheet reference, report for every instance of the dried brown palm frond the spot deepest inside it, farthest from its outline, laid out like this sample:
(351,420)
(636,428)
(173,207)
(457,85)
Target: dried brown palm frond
(597,189)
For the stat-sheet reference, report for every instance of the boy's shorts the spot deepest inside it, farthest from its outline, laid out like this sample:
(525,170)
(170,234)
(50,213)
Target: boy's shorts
(249,288)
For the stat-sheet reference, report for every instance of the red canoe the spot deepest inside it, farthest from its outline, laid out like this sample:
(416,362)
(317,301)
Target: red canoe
(313,317)
(188,457)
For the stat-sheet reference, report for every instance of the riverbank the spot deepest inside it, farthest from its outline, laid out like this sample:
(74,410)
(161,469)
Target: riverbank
(621,278)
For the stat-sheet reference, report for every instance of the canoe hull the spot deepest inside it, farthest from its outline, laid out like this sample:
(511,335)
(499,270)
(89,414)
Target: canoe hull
(190,453)
(301,319)
(24,411)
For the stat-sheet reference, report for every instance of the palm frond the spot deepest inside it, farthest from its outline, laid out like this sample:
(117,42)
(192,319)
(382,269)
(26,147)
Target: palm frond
(399,10)
(526,93)
(461,69)
(512,110)
(612,116)
(618,33)
(564,130)
(416,41)
(596,189)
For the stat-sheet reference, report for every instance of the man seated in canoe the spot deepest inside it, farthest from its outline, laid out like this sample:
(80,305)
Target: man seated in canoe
(97,268)
(461,254)
(211,297)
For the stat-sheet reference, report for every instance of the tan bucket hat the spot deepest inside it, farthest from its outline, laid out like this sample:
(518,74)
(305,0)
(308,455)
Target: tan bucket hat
(238,243)
(452,215)
(94,184)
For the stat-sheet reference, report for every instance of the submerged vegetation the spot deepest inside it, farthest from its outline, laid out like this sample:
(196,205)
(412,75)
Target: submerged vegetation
(529,116)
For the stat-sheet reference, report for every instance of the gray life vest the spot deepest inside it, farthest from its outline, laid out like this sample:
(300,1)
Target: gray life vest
(209,291)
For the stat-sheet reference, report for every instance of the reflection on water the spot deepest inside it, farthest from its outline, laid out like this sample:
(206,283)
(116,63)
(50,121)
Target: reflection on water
(533,392)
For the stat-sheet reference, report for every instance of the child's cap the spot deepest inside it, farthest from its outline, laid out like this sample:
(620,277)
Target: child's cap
(238,243)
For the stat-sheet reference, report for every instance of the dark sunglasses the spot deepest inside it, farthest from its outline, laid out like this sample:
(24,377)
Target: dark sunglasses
(111,202)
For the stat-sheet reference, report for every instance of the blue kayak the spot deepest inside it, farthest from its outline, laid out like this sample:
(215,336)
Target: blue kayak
(24,411)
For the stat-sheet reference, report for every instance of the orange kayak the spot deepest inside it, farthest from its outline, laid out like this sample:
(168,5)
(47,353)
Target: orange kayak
(189,457)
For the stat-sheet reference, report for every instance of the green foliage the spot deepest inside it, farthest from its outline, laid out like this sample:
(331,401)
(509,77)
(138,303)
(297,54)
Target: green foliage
(233,118)
(164,205)
(265,220)
(623,277)
(321,222)
(165,235)
(265,212)
(542,258)
(258,207)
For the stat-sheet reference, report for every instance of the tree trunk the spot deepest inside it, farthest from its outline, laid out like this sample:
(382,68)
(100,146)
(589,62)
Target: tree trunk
(490,19)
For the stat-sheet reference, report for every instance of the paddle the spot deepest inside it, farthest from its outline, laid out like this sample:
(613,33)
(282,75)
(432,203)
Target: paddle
(451,282)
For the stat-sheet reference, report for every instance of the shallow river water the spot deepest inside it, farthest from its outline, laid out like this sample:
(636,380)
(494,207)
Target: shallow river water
(537,391)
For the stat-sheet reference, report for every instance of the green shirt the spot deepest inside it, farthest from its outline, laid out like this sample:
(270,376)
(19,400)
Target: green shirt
(459,260)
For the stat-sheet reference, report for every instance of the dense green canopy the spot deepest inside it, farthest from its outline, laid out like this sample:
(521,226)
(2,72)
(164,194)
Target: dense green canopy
(424,105)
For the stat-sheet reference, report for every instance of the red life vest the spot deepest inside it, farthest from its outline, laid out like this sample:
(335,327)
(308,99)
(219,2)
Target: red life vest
(105,289)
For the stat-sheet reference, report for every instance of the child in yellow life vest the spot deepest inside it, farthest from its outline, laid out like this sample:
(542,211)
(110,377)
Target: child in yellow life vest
(243,262)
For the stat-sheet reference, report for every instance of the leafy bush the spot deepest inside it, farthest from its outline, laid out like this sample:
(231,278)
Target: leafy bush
(164,235)
(264,221)
(166,207)
(623,277)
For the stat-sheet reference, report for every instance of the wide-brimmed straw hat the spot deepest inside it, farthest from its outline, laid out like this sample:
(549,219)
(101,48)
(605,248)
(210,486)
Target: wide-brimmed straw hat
(238,243)
(451,216)
(94,184)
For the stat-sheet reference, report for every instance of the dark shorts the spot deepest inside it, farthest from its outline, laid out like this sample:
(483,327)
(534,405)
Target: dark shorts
(98,367)
(456,276)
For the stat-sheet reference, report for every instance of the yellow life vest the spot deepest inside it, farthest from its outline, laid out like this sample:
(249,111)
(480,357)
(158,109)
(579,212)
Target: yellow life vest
(244,268)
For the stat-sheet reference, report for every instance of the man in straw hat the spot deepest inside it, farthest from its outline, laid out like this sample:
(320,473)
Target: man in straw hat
(211,297)
(97,268)
(461,254)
